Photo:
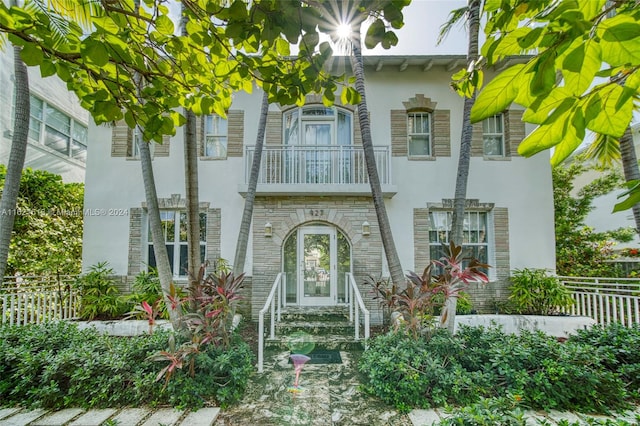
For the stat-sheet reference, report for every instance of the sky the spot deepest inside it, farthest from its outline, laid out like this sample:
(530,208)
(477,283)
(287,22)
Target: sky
(423,19)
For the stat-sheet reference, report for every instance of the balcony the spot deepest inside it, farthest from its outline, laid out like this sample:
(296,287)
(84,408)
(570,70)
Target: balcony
(317,169)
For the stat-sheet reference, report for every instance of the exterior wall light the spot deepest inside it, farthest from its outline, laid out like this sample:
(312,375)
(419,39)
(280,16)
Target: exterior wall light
(268,229)
(366,228)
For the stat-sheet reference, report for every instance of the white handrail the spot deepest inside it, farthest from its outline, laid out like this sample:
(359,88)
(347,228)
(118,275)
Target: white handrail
(606,300)
(355,295)
(269,304)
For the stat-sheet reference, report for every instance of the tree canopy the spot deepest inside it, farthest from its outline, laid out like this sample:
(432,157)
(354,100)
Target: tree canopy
(584,72)
(226,47)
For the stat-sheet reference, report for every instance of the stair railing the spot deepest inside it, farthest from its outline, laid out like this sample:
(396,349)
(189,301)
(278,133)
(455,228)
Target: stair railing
(354,311)
(276,310)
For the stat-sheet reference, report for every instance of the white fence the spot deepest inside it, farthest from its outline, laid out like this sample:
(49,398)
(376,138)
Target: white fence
(31,299)
(606,300)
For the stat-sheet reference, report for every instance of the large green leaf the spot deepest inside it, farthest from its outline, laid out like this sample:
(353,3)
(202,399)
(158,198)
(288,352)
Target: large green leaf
(94,52)
(31,55)
(633,196)
(611,118)
(165,25)
(498,94)
(580,66)
(620,39)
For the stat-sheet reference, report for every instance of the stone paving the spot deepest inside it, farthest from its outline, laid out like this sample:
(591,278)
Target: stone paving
(328,395)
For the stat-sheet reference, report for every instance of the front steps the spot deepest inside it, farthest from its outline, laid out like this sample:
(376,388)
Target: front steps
(325,327)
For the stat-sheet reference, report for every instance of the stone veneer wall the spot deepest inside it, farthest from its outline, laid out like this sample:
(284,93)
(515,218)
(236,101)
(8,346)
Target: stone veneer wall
(286,214)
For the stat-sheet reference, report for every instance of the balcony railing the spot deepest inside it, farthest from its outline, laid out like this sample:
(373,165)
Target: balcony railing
(289,165)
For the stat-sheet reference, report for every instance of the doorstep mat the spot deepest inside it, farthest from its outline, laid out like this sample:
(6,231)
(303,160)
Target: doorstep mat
(323,356)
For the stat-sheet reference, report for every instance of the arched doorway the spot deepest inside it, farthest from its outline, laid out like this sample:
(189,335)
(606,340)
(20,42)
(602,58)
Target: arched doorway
(316,258)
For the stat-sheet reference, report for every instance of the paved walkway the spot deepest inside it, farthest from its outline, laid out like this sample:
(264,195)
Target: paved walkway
(329,396)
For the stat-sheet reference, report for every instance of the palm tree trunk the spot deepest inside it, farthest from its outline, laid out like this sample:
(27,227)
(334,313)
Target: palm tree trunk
(448,317)
(192,201)
(395,268)
(16,158)
(630,168)
(157,236)
(247,214)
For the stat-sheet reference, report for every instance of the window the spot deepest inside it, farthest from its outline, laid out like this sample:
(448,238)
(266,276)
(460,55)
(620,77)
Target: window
(174,227)
(215,137)
(317,125)
(474,234)
(419,134)
(493,136)
(53,128)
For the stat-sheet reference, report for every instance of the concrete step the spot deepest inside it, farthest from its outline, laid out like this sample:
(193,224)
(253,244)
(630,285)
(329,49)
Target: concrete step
(341,328)
(321,313)
(329,341)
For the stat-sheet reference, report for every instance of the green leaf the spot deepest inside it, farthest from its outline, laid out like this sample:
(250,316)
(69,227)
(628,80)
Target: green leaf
(94,52)
(633,197)
(498,94)
(544,75)
(350,96)
(580,66)
(31,55)
(611,118)
(165,25)
(510,43)
(375,34)
(47,68)
(620,40)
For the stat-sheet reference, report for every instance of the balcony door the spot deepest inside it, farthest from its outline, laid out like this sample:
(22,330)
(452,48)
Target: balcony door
(317,158)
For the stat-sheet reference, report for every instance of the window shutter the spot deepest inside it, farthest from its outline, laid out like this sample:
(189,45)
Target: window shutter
(274,128)
(137,247)
(441,133)
(398,133)
(477,140)
(501,236)
(513,130)
(121,136)
(162,150)
(235,133)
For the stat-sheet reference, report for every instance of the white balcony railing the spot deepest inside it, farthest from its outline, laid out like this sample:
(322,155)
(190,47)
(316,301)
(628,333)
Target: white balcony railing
(317,164)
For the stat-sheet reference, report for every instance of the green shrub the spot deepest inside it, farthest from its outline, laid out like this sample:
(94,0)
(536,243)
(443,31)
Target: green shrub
(486,363)
(57,366)
(99,296)
(487,412)
(147,288)
(534,292)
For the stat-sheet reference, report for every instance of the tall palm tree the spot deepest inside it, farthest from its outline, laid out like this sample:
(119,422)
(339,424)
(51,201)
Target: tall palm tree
(247,214)
(191,187)
(472,13)
(16,157)
(357,65)
(81,13)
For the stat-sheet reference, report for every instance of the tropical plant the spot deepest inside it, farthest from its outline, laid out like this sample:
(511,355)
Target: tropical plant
(597,57)
(47,232)
(535,292)
(99,294)
(581,251)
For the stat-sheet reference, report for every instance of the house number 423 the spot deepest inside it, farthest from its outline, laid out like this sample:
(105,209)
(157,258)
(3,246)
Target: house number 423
(316,213)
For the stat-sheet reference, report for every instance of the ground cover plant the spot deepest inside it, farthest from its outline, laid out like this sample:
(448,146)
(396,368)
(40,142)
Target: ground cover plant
(589,373)
(56,366)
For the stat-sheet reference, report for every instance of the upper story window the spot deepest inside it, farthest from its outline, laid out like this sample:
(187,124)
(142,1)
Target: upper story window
(53,128)
(174,227)
(318,125)
(493,136)
(419,134)
(215,136)
(474,234)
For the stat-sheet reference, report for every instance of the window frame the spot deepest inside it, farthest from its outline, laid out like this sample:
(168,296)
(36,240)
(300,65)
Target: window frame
(293,124)
(217,135)
(486,227)
(45,125)
(178,246)
(486,136)
(411,133)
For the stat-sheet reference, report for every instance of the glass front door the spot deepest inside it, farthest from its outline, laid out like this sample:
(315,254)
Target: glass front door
(317,274)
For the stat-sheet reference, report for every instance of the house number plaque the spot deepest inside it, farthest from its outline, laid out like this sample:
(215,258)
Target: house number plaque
(316,213)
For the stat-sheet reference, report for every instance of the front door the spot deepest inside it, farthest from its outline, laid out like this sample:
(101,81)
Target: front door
(317,254)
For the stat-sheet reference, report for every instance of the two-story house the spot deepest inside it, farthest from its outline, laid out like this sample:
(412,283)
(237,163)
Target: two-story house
(58,132)
(314,218)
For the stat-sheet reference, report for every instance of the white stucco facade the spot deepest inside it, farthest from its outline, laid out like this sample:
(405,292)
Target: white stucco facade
(514,193)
